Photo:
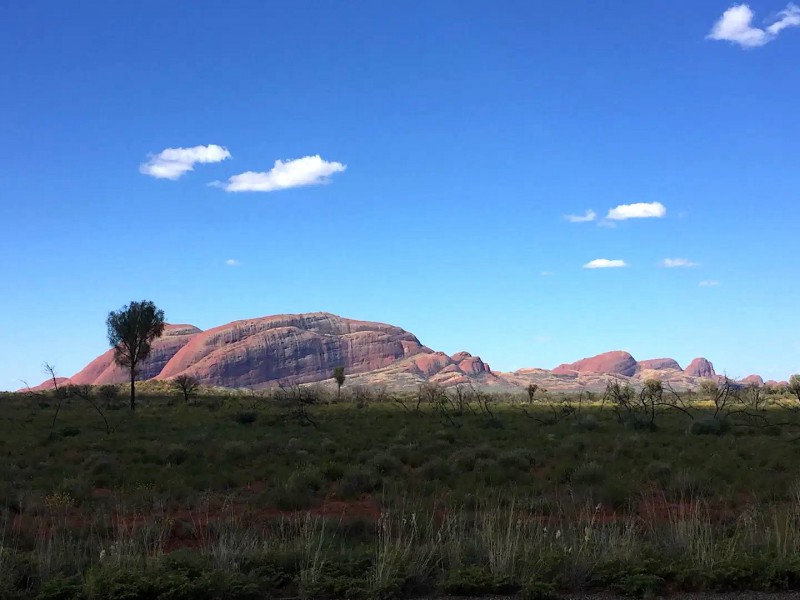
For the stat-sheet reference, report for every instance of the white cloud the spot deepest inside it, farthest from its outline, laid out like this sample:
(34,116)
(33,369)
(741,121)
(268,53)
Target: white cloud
(587,217)
(789,17)
(638,210)
(709,283)
(607,224)
(605,263)
(735,26)
(171,163)
(232,262)
(546,273)
(671,263)
(309,170)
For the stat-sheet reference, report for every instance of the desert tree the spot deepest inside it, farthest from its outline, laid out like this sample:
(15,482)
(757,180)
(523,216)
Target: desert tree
(109,393)
(186,385)
(297,399)
(636,410)
(794,386)
(67,392)
(532,389)
(86,393)
(131,331)
(58,393)
(338,376)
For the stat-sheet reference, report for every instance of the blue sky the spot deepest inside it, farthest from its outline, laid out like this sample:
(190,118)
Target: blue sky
(453,140)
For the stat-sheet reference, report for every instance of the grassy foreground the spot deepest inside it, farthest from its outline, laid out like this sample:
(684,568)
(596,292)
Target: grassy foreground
(291,494)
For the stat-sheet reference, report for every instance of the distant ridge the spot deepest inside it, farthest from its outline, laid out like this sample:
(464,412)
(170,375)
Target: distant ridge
(305,348)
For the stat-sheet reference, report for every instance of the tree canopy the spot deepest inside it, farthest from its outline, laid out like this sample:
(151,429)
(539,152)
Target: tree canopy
(131,331)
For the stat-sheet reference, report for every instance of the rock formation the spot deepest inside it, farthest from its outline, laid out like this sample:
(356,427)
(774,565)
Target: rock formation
(614,363)
(103,370)
(660,364)
(289,348)
(305,348)
(700,367)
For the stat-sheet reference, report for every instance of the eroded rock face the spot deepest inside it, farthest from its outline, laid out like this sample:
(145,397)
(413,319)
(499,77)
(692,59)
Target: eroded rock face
(660,364)
(753,380)
(473,365)
(617,363)
(428,365)
(283,348)
(305,348)
(700,367)
(102,370)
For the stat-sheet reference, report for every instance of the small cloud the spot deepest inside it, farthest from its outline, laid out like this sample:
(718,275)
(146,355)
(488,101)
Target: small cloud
(542,339)
(546,273)
(171,163)
(638,210)
(735,26)
(587,217)
(672,263)
(709,283)
(605,263)
(232,262)
(309,170)
(607,224)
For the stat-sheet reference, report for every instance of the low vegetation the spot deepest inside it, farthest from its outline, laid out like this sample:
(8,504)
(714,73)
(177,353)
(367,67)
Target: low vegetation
(298,492)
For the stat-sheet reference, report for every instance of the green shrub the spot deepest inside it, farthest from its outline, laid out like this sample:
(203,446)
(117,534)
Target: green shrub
(435,469)
(494,474)
(299,491)
(69,588)
(408,454)
(357,481)
(309,478)
(245,417)
(235,450)
(617,493)
(685,484)
(102,470)
(639,585)
(464,459)
(110,583)
(177,454)
(485,451)
(186,561)
(586,423)
(328,446)
(18,570)
(660,472)
(573,446)
(474,580)
(710,426)
(538,590)
(520,459)
(638,422)
(332,470)
(589,473)
(446,435)
(386,464)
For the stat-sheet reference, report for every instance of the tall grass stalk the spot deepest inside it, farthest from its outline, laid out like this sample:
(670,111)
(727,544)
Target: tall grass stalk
(500,533)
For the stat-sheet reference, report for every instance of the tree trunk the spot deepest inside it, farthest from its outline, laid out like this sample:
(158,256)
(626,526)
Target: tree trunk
(133,389)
